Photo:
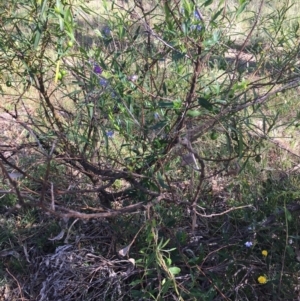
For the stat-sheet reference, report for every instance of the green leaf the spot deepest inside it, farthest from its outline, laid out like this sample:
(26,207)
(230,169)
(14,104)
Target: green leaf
(69,26)
(68,16)
(193,113)
(241,143)
(177,104)
(205,103)
(164,104)
(166,283)
(216,15)
(185,28)
(168,261)
(241,8)
(221,101)
(135,282)
(137,294)
(169,17)
(207,3)
(61,23)
(216,37)
(121,31)
(137,33)
(187,8)
(288,215)
(162,244)
(161,181)
(174,270)
(91,109)
(164,86)
(159,125)
(208,43)
(104,3)
(176,55)
(43,10)
(37,38)
(295,26)
(128,126)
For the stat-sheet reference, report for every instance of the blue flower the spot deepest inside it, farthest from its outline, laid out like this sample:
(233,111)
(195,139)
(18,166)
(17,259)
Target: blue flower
(103,82)
(248,244)
(110,134)
(156,115)
(196,27)
(197,15)
(106,31)
(113,94)
(97,69)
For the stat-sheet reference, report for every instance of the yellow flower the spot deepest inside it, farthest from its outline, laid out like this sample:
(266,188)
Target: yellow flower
(262,279)
(264,253)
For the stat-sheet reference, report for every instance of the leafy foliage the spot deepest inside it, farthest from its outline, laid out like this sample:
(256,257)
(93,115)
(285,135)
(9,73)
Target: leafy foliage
(154,111)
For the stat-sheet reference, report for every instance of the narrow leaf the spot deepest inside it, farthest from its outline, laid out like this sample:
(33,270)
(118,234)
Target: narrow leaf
(59,236)
(205,103)
(207,3)
(193,113)
(174,270)
(57,71)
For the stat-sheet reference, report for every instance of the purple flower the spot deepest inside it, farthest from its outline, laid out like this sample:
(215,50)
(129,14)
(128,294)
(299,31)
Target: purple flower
(132,78)
(110,134)
(248,244)
(97,69)
(197,15)
(156,115)
(196,27)
(106,31)
(103,82)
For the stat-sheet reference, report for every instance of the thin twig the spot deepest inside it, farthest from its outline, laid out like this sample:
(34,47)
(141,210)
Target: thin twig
(226,211)
(20,290)
(198,131)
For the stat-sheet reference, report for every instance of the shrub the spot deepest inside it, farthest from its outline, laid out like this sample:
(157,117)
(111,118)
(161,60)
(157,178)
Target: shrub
(149,106)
